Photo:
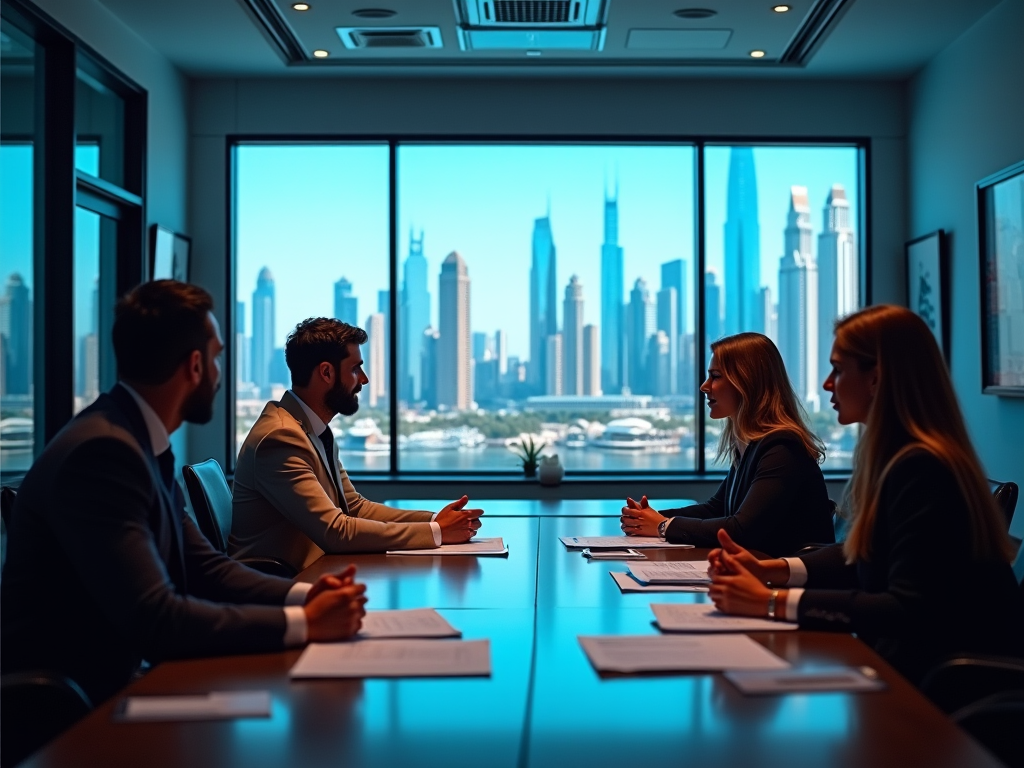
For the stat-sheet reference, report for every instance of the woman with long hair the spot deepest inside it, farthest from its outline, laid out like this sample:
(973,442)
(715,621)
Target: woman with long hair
(925,570)
(774,498)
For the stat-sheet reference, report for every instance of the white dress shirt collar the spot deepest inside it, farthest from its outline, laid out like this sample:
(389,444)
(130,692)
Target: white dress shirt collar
(159,440)
(315,422)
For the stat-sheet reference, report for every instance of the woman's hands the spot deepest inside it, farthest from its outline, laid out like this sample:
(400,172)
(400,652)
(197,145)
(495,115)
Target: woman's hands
(638,519)
(738,579)
(774,572)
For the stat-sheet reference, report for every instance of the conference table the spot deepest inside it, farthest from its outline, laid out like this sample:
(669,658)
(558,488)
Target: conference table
(543,704)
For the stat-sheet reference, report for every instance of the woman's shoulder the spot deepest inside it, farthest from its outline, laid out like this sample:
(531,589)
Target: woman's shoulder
(917,470)
(782,441)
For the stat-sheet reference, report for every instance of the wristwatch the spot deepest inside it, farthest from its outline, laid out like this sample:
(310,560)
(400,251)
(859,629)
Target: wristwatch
(771,603)
(663,527)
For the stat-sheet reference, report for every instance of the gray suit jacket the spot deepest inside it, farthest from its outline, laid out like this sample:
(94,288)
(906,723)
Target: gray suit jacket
(288,504)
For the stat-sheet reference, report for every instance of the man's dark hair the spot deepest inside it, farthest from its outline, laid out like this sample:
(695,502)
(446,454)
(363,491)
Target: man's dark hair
(318,340)
(157,325)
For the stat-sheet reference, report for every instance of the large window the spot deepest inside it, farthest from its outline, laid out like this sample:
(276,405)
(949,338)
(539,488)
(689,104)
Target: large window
(545,290)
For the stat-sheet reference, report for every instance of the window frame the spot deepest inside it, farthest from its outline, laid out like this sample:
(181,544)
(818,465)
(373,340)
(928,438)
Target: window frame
(394,140)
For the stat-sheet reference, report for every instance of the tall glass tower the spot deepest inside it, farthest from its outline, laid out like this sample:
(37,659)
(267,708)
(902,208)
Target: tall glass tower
(798,302)
(543,301)
(838,287)
(743,304)
(346,306)
(612,293)
(263,330)
(454,368)
(414,315)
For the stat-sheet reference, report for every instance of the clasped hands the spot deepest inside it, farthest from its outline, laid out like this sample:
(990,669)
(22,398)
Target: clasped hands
(335,606)
(458,524)
(640,519)
(741,584)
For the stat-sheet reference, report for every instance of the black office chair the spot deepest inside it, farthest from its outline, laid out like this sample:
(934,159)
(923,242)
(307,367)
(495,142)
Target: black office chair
(35,708)
(1005,495)
(211,502)
(839,525)
(7,498)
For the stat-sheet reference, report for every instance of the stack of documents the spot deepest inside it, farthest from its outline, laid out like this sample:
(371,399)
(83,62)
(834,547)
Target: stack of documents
(628,584)
(760,682)
(620,542)
(477,547)
(671,572)
(219,705)
(704,617)
(395,658)
(677,653)
(417,622)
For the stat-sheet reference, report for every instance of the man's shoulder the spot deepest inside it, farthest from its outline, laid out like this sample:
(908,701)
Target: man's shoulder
(275,424)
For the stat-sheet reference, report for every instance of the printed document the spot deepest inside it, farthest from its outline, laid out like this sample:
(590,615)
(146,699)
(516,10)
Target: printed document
(704,617)
(417,622)
(759,682)
(222,705)
(677,653)
(476,547)
(620,542)
(395,658)
(628,584)
(672,572)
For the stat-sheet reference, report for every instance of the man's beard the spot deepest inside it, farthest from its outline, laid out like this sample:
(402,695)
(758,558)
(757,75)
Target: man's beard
(198,407)
(338,400)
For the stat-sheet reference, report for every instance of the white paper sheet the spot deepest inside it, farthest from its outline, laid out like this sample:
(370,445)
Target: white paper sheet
(704,617)
(620,542)
(218,705)
(677,653)
(671,572)
(395,658)
(476,547)
(766,682)
(416,622)
(628,584)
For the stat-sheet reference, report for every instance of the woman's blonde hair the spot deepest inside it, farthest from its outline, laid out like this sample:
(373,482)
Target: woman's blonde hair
(751,363)
(914,407)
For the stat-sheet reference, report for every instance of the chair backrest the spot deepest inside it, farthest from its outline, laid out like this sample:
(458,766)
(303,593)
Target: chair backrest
(1005,495)
(7,498)
(35,707)
(211,500)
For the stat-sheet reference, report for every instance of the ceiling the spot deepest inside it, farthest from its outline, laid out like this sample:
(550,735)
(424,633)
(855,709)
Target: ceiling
(816,38)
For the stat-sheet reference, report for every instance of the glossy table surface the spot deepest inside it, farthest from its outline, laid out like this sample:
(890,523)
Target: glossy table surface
(543,705)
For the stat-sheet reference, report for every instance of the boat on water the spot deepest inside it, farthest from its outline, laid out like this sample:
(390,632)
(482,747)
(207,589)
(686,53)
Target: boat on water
(634,434)
(16,433)
(455,439)
(364,436)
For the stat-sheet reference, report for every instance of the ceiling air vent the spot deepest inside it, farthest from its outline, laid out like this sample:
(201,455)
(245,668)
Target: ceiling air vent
(532,25)
(390,37)
(531,11)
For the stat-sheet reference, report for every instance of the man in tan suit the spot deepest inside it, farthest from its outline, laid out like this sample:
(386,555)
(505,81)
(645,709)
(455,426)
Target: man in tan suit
(292,498)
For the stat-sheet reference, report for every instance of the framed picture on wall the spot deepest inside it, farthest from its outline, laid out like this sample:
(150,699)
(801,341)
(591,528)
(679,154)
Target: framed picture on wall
(926,284)
(1001,248)
(169,254)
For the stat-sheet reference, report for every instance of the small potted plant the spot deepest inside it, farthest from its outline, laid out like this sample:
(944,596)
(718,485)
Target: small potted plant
(529,454)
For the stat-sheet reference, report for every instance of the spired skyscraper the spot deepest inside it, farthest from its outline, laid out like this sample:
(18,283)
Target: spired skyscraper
(414,315)
(263,319)
(838,287)
(572,338)
(346,306)
(743,304)
(543,300)
(612,293)
(454,369)
(798,302)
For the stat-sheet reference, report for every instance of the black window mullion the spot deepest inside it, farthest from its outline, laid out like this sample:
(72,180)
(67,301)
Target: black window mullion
(700,343)
(393,304)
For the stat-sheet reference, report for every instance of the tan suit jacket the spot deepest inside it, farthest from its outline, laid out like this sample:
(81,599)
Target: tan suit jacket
(288,504)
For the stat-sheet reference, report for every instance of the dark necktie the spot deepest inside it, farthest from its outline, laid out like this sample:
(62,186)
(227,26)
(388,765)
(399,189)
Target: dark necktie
(327,438)
(166,462)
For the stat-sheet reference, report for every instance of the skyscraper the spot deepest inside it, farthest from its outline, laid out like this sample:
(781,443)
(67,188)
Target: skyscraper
(572,338)
(591,361)
(798,302)
(414,314)
(553,365)
(16,328)
(375,357)
(668,323)
(641,324)
(838,289)
(712,307)
(243,366)
(742,246)
(613,289)
(771,315)
(658,359)
(346,306)
(673,275)
(481,346)
(263,323)
(543,298)
(384,307)
(428,367)
(454,372)
(501,351)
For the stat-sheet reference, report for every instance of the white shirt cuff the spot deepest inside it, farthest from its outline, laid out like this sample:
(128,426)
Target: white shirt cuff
(296,631)
(797,572)
(297,594)
(436,530)
(793,604)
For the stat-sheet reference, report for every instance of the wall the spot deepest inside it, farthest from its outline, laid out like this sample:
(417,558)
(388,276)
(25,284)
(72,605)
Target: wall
(966,121)
(542,107)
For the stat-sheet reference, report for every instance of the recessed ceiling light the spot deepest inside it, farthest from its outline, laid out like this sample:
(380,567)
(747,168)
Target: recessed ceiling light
(695,13)
(374,13)
(781,8)
(300,6)
(320,53)
(757,54)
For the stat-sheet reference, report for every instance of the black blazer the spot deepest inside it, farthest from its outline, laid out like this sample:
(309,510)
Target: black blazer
(774,500)
(920,596)
(104,569)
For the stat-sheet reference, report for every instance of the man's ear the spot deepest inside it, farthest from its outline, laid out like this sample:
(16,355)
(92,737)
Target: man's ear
(326,371)
(194,367)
